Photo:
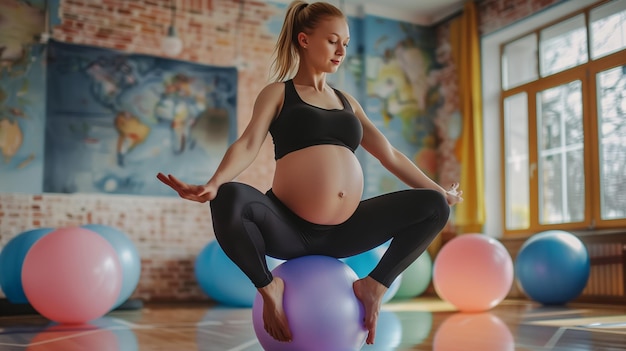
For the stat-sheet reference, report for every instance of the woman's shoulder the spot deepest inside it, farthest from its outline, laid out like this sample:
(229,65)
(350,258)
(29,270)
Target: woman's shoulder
(273,89)
(354,103)
(346,94)
(272,94)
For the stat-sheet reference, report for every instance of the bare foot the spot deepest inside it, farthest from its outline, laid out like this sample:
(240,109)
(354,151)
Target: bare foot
(370,293)
(274,319)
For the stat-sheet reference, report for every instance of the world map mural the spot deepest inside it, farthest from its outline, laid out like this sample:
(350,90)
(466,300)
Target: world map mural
(114,120)
(22,111)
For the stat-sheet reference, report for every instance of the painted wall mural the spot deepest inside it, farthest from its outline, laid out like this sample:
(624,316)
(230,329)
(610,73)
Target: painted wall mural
(114,120)
(22,77)
(401,97)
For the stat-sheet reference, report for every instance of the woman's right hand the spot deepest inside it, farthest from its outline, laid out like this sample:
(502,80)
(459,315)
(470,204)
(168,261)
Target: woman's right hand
(454,195)
(198,193)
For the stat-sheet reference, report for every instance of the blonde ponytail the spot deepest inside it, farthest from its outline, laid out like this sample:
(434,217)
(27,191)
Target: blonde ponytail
(300,17)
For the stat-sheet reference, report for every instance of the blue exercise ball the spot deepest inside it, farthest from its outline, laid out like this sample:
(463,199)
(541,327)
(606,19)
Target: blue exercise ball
(552,267)
(12,260)
(364,263)
(128,255)
(222,280)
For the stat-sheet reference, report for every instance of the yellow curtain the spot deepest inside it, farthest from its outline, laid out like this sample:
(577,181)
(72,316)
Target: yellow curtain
(464,41)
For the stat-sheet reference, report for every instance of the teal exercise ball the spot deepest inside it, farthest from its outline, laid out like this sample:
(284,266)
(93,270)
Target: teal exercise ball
(552,267)
(416,278)
(12,260)
(365,262)
(220,279)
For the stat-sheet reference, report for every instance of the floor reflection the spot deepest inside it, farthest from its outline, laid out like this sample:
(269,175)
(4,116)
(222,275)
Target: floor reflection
(475,331)
(412,326)
(104,334)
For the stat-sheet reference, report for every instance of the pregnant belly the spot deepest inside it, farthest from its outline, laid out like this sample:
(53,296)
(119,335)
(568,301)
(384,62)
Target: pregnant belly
(322,184)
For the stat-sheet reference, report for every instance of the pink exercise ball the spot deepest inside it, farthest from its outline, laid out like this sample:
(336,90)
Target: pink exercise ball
(72,276)
(474,272)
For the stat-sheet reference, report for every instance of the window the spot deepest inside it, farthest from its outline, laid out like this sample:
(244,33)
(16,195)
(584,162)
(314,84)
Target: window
(519,61)
(564,123)
(563,45)
(608,28)
(516,150)
(560,148)
(611,94)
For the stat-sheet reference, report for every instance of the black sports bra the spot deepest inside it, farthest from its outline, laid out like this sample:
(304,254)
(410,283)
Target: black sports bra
(300,125)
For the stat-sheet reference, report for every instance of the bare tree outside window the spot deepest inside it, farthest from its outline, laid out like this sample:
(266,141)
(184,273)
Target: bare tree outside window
(563,46)
(561,154)
(612,135)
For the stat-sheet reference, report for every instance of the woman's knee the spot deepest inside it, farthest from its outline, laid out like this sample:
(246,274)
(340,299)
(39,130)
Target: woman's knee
(228,191)
(228,202)
(229,195)
(442,206)
(438,204)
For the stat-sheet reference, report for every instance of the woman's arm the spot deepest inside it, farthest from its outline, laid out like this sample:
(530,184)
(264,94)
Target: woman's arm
(245,149)
(375,142)
(241,153)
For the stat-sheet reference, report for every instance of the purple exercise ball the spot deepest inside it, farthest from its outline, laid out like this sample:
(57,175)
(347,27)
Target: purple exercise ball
(319,301)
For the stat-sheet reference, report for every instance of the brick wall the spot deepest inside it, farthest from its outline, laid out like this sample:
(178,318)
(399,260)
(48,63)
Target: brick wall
(496,14)
(168,232)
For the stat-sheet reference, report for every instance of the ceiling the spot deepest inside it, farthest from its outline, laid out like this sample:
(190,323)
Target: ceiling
(424,12)
(420,11)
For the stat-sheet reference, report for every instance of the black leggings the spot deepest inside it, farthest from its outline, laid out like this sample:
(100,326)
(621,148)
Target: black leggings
(249,225)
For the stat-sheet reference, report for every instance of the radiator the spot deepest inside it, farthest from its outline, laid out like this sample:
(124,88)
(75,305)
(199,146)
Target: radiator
(606,278)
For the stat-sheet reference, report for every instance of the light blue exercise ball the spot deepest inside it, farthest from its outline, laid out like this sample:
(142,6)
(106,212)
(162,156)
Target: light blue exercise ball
(222,280)
(552,267)
(388,333)
(364,263)
(128,255)
(12,260)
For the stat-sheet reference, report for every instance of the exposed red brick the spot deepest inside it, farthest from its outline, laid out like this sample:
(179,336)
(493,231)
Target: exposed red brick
(95,6)
(496,14)
(74,3)
(148,18)
(120,46)
(70,31)
(134,6)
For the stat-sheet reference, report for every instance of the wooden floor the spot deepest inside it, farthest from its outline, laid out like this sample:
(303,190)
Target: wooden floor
(419,324)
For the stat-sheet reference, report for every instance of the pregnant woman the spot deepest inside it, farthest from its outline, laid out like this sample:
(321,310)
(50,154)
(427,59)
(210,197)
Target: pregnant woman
(314,206)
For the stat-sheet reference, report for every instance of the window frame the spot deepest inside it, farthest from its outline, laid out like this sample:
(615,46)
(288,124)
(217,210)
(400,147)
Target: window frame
(586,73)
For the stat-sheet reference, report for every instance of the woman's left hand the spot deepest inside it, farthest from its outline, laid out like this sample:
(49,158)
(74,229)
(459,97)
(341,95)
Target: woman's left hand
(454,195)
